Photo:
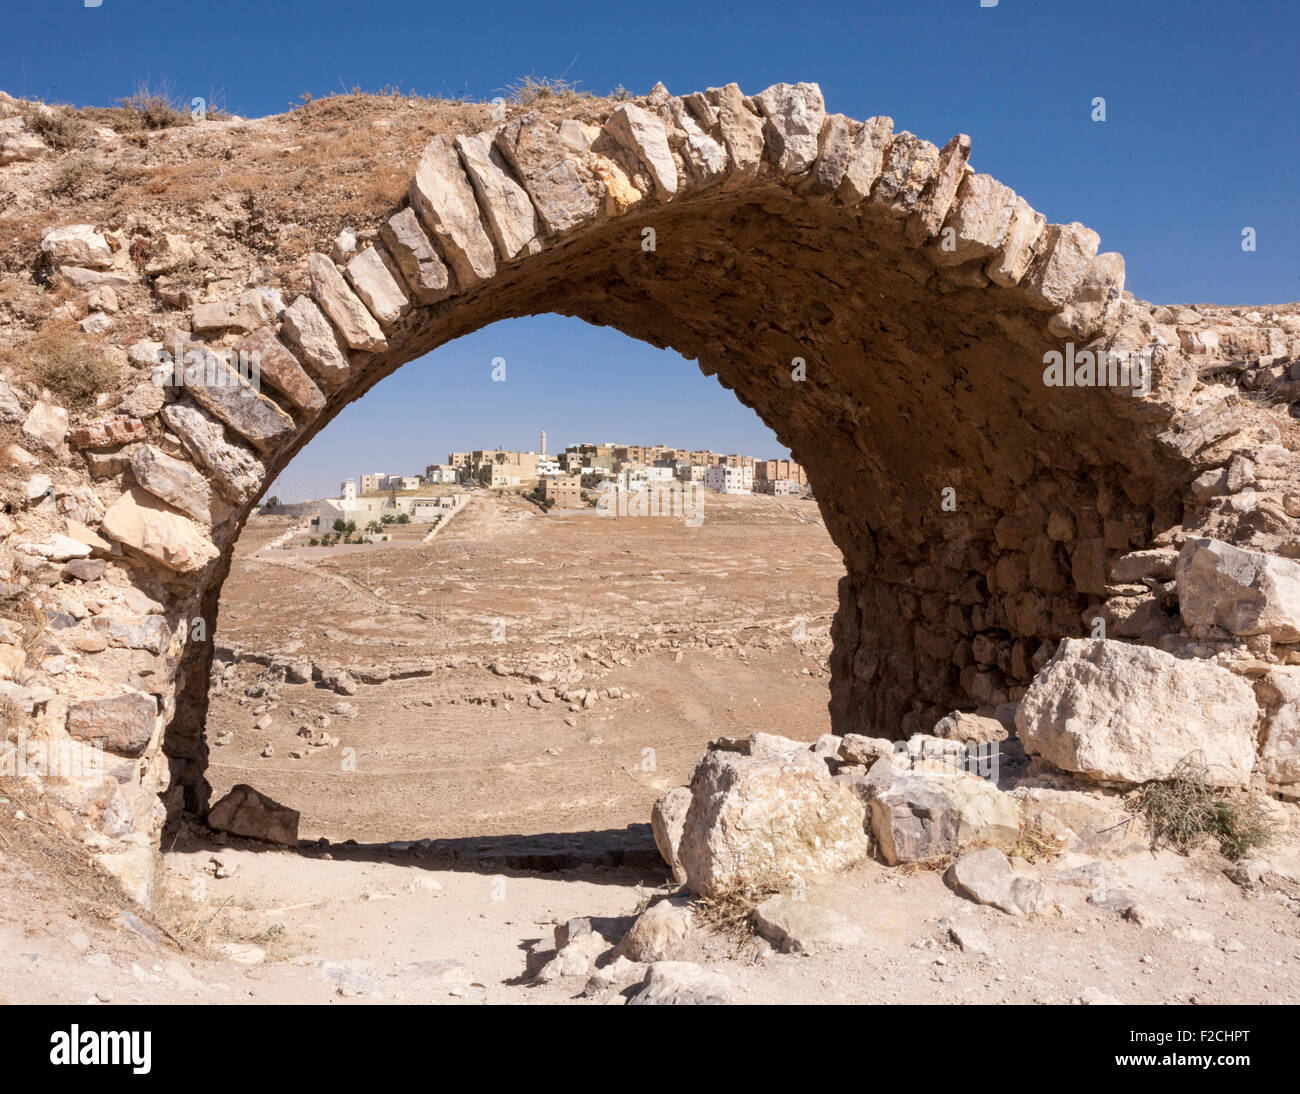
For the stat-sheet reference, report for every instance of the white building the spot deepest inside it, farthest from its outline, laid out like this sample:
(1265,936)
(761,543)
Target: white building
(438,473)
(361,511)
(730,480)
(547,465)
(400,482)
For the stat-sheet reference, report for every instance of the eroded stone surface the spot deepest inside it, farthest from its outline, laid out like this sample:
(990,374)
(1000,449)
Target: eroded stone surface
(757,821)
(1127,713)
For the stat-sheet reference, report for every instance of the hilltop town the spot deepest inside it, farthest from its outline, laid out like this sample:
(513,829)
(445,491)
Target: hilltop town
(575,478)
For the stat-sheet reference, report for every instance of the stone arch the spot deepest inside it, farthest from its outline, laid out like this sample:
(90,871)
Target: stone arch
(885,309)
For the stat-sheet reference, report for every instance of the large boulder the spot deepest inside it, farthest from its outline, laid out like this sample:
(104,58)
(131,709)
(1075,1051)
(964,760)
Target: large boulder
(1129,714)
(923,811)
(765,821)
(1244,592)
(251,814)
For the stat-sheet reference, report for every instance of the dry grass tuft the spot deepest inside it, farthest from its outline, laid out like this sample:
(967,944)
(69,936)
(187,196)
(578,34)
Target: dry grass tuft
(151,107)
(72,174)
(1184,810)
(1036,845)
(530,89)
(732,912)
(61,127)
(62,358)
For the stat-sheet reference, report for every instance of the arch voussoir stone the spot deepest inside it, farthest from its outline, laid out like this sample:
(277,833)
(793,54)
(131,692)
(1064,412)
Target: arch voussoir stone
(983,512)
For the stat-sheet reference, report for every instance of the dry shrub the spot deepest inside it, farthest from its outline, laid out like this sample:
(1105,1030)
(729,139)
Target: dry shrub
(62,358)
(1185,809)
(529,90)
(152,107)
(731,912)
(61,127)
(71,175)
(1036,844)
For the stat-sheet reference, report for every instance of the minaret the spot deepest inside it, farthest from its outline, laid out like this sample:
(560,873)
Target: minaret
(543,442)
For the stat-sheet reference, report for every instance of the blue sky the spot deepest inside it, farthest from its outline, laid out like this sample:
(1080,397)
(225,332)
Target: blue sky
(1201,139)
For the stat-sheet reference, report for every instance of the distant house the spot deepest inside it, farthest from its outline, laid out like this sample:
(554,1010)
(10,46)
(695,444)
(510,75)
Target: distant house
(730,480)
(778,487)
(438,473)
(563,491)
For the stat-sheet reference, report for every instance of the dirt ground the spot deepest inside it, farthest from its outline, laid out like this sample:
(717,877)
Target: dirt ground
(457,824)
(696,625)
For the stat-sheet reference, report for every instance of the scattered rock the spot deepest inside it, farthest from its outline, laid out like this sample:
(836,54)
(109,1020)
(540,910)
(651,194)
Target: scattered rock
(575,958)
(45,426)
(970,939)
(800,926)
(242,953)
(667,821)
(960,726)
(1095,997)
(986,876)
(656,931)
(248,813)
(681,983)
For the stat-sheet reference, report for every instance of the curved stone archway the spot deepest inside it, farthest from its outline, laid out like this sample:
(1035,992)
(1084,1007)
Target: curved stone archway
(889,312)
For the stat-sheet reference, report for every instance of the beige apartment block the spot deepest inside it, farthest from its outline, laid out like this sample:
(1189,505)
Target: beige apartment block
(563,491)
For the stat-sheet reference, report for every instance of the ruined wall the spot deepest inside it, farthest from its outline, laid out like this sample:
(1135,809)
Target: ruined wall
(884,308)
